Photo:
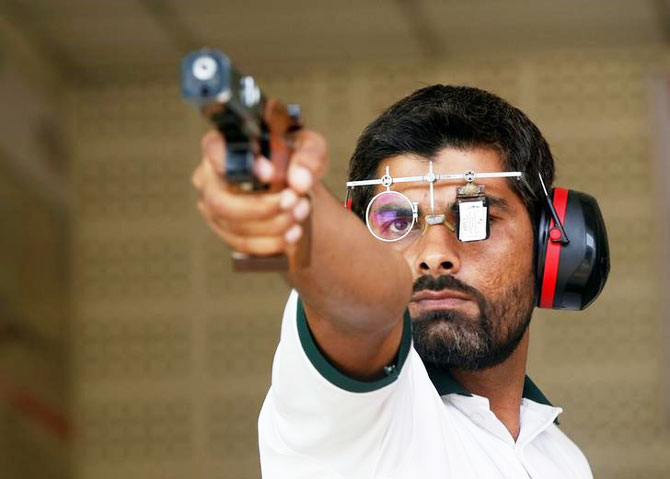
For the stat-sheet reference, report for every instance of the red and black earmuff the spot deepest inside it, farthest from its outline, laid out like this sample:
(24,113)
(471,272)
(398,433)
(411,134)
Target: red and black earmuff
(572,252)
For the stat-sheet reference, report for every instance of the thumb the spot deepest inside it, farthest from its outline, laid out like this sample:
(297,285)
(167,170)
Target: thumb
(308,162)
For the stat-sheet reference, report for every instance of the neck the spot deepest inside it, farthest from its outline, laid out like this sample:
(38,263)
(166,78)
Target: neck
(502,385)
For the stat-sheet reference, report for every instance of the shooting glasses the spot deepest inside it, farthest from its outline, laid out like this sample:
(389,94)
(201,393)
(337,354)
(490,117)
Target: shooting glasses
(392,216)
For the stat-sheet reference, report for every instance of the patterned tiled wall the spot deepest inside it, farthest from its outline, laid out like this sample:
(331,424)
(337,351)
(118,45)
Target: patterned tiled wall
(173,352)
(34,276)
(33,334)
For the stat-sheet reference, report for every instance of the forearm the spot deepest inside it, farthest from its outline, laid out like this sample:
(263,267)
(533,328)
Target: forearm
(355,288)
(359,284)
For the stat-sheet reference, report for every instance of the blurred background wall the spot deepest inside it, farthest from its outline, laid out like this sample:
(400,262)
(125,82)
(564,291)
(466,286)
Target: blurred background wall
(127,347)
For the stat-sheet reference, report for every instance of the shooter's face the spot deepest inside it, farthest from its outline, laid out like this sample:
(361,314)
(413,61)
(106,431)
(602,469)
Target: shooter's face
(472,300)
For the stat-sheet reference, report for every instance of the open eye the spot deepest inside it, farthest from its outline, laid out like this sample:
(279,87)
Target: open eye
(393,223)
(390,216)
(400,225)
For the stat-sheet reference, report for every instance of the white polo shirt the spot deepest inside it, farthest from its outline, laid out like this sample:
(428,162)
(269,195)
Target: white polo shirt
(416,422)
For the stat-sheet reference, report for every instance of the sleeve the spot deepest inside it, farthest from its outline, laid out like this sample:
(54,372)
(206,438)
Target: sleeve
(315,411)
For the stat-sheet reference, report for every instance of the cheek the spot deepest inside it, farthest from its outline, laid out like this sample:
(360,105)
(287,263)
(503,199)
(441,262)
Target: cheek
(507,258)
(409,248)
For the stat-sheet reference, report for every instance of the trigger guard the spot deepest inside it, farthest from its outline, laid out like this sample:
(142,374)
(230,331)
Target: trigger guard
(239,162)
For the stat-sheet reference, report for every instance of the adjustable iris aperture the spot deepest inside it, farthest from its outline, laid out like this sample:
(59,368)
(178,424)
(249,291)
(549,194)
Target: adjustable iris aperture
(391,216)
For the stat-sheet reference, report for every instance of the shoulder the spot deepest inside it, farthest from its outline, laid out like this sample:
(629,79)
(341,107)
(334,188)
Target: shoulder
(563,450)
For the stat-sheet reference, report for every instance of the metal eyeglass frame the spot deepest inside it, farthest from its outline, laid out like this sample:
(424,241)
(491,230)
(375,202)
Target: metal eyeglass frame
(431,178)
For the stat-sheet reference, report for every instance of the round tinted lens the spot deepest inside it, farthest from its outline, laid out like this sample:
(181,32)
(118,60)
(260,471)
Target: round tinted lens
(390,216)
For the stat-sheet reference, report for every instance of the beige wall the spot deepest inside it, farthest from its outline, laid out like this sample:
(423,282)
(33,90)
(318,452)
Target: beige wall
(172,352)
(34,279)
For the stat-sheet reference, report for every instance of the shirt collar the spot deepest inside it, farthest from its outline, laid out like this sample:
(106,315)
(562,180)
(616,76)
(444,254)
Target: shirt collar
(445,383)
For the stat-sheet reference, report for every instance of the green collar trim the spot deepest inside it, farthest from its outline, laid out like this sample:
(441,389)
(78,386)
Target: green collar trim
(337,377)
(445,383)
(532,392)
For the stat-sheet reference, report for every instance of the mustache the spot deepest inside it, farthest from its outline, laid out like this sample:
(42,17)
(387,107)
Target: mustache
(447,281)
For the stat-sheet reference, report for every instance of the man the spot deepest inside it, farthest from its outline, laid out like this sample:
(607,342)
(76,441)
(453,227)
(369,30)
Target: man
(352,395)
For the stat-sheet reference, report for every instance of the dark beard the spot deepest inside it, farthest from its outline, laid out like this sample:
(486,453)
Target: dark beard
(452,339)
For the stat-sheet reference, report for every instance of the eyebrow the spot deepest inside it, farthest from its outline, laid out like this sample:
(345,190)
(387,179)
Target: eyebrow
(497,202)
(493,202)
(391,208)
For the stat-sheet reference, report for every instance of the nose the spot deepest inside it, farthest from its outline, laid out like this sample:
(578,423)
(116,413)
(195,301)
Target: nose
(437,252)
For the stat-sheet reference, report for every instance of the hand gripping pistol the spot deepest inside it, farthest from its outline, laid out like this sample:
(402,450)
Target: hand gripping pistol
(251,124)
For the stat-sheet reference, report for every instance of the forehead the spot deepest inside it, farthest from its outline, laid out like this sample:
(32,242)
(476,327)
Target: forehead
(448,161)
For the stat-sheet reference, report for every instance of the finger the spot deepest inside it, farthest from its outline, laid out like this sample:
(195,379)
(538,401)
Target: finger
(263,169)
(213,147)
(293,234)
(254,245)
(275,226)
(308,161)
(211,220)
(236,206)
(198,176)
(206,213)
(260,245)
(316,146)
(288,199)
(301,210)
(300,179)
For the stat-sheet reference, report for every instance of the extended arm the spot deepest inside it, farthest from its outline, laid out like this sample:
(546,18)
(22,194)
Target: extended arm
(355,289)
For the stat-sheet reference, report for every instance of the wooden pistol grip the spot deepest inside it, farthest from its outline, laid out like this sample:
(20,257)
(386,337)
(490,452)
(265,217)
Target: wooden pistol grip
(243,263)
(280,125)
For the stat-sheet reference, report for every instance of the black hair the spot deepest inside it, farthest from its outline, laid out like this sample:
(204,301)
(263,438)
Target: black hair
(440,116)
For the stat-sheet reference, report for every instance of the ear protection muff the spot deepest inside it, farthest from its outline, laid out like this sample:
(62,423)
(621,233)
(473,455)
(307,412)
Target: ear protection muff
(572,252)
